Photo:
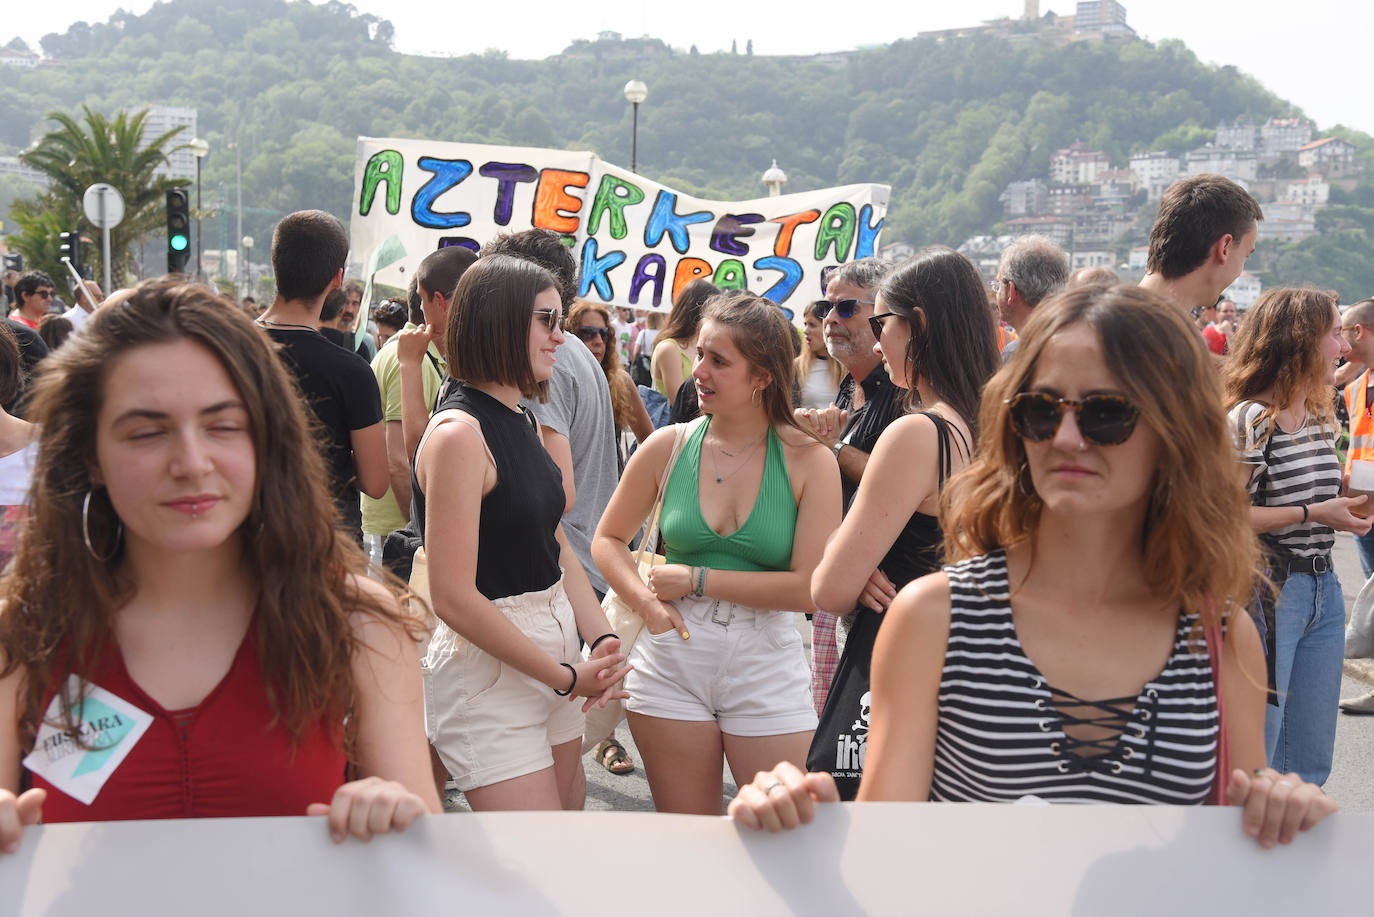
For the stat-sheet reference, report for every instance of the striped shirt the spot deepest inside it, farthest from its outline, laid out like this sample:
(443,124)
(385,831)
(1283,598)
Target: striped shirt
(1300,468)
(1000,736)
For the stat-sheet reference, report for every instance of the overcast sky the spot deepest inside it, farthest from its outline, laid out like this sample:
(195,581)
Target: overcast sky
(1314,54)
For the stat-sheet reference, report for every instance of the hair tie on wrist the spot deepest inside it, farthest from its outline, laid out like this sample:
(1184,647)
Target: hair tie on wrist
(571,686)
(597,642)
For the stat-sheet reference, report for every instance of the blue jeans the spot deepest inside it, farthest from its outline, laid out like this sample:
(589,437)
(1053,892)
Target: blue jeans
(1366,545)
(1309,635)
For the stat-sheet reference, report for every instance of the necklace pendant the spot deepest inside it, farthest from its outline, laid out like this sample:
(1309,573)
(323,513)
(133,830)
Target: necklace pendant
(719,479)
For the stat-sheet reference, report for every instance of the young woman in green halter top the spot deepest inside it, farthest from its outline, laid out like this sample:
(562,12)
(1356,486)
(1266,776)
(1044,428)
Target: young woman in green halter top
(748,505)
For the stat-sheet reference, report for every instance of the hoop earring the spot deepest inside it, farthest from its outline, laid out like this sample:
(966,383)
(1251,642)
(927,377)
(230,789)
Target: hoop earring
(86,530)
(757,397)
(1022,476)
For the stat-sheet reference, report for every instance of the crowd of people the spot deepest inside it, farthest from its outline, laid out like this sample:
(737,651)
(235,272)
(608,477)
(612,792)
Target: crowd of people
(211,509)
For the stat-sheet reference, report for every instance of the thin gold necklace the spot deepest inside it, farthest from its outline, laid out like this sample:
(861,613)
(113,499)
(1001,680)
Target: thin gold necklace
(721,479)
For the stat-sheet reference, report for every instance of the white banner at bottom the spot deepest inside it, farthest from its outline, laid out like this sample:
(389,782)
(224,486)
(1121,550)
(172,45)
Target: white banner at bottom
(853,859)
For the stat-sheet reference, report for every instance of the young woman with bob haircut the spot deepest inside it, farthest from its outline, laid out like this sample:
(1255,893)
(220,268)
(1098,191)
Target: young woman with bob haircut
(183,565)
(1279,389)
(504,660)
(750,501)
(1099,537)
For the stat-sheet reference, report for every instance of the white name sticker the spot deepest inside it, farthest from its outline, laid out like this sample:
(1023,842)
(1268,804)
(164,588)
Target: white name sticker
(79,761)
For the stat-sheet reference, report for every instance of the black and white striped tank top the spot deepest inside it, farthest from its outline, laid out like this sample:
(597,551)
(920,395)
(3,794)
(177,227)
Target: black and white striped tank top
(1000,737)
(1289,469)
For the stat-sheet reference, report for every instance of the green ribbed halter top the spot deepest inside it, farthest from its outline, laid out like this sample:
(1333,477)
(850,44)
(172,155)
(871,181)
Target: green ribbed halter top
(763,543)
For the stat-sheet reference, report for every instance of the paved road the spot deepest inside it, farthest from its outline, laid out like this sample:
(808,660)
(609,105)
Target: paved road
(1352,776)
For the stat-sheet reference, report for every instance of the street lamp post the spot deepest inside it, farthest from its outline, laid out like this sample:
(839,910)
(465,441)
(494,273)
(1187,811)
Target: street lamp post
(247,267)
(200,149)
(635,92)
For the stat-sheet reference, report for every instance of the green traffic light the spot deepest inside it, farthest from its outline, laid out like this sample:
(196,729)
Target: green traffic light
(178,243)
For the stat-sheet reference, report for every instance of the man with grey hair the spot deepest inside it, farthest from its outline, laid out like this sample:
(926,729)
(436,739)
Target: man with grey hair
(1032,268)
(867,402)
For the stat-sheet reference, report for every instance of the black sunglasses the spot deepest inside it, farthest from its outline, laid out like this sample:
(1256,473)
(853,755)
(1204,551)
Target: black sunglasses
(1103,420)
(845,308)
(548,318)
(876,320)
(590,333)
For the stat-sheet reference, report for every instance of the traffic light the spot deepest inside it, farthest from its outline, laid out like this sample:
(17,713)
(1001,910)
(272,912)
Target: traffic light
(69,247)
(178,231)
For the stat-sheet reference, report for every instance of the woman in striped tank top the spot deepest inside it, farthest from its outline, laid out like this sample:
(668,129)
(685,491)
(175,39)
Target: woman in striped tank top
(1093,540)
(1279,390)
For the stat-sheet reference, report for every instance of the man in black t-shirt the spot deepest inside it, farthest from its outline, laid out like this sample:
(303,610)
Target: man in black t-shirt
(308,253)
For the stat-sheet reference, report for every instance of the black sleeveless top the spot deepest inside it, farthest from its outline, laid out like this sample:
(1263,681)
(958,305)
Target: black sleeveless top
(517,550)
(917,549)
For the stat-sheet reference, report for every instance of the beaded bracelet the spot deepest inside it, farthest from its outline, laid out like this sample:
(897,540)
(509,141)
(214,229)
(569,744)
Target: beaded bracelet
(701,581)
(571,686)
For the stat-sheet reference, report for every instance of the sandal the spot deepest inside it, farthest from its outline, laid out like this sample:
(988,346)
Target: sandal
(612,756)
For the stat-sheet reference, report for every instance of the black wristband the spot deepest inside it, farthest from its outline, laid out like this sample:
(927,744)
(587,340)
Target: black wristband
(571,686)
(1305,513)
(597,641)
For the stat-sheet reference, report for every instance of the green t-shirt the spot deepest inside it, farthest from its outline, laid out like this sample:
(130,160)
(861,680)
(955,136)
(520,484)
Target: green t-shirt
(382,517)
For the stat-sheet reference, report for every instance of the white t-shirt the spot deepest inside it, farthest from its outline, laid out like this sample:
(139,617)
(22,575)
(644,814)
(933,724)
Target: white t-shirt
(76,315)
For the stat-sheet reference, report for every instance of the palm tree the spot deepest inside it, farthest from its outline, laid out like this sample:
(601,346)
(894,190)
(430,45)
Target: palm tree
(78,154)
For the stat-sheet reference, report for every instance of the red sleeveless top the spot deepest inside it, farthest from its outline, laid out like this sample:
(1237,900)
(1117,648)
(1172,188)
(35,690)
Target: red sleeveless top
(218,759)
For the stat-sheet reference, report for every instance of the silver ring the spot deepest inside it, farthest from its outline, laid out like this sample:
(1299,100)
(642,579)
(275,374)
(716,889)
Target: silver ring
(1286,783)
(772,786)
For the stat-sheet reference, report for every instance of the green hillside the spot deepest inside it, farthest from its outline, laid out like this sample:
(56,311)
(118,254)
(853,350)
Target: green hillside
(947,124)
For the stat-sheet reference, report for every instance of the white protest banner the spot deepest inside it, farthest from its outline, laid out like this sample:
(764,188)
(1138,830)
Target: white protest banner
(856,858)
(636,242)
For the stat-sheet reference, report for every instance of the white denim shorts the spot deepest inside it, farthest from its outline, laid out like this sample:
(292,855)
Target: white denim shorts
(488,721)
(741,667)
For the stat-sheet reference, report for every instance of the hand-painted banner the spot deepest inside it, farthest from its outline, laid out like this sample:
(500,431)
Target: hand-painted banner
(636,242)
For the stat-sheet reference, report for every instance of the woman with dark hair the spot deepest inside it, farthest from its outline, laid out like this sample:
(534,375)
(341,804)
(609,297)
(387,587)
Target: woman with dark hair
(591,322)
(675,345)
(938,343)
(182,568)
(1022,670)
(1279,381)
(18,449)
(746,511)
(817,373)
(503,660)
(54,329)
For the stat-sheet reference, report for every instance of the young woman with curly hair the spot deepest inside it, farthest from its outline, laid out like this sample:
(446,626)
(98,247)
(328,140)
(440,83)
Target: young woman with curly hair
(591,322)
(1279,392)
(1098,547)
(183,563)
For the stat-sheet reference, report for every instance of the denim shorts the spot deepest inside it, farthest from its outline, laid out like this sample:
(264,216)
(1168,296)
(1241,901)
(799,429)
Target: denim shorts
(741,667)
(488,721)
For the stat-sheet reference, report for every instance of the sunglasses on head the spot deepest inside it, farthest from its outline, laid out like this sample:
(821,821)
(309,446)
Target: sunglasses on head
(590,333)
(1103,420)
(845,308)
(548,317)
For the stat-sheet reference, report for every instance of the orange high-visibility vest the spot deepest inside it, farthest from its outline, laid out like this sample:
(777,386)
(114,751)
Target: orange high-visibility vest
(1004,336)
(1361,421)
